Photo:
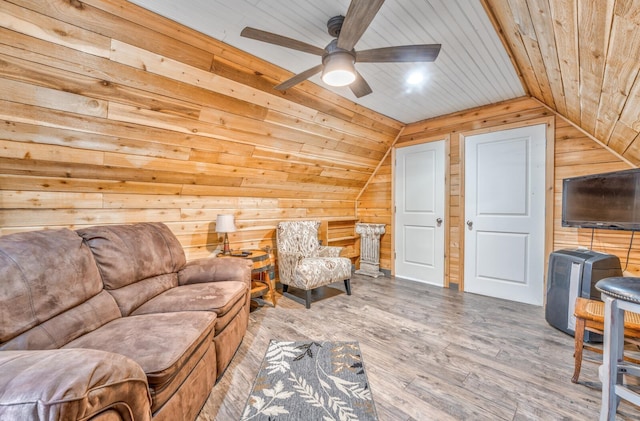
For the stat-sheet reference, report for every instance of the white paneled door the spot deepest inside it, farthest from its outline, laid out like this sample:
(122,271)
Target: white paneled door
(419,217)
(504,214)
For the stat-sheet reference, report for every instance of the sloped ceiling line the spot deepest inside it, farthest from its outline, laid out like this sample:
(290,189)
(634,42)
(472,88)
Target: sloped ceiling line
(580,58)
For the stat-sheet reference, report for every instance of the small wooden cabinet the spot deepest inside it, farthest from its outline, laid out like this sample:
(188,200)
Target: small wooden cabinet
(341,232)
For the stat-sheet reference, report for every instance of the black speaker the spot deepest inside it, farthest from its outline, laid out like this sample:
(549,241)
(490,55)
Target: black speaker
(573,273)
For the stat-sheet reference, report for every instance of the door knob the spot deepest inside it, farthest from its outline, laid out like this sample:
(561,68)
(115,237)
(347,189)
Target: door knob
(439,221)
(470,224)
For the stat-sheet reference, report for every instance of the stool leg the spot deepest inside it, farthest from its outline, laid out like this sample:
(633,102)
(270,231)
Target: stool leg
(613,354)
(579,345)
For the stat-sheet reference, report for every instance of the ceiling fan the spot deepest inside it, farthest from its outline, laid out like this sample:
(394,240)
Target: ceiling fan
(339,57)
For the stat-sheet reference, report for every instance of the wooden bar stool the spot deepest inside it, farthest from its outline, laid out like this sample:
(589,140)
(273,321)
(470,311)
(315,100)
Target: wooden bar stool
(620,294)
(590,317)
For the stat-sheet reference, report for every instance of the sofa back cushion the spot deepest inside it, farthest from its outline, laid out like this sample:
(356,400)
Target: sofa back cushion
(147,253)
(46,279)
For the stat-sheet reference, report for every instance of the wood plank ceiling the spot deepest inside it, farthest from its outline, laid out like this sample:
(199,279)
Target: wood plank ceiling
(580,58)
(473,68)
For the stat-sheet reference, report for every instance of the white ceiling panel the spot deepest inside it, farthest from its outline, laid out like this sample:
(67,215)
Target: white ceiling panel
(472,69)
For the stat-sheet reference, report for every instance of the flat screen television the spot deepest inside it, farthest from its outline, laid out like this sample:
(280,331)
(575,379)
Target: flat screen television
(608,201)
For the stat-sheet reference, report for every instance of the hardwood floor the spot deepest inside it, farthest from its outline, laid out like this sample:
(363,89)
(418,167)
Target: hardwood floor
(429,353)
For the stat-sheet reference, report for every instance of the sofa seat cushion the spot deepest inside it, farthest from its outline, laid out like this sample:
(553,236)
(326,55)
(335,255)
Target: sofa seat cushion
(166,345)
(224,298)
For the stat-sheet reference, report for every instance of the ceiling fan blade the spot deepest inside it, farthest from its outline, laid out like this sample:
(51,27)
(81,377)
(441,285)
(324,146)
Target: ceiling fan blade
(299,78)
(280,40)
(357,20)
(360,87)
(404,53)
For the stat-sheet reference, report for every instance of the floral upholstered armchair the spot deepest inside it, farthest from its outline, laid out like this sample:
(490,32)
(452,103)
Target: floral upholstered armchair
(304,264)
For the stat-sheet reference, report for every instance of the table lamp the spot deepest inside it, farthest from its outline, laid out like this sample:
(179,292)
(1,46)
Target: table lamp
(225,224)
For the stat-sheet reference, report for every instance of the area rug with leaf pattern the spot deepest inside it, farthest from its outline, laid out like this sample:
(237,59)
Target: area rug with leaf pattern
(311,381)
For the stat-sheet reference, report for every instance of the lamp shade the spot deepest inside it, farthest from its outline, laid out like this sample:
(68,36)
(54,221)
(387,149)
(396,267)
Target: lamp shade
(338,69)
(224,223)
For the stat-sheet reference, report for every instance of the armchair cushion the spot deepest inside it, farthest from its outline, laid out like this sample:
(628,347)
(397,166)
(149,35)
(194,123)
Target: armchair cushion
(313,272)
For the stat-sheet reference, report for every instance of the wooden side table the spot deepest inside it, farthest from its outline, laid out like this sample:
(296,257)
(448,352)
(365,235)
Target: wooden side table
(260,274)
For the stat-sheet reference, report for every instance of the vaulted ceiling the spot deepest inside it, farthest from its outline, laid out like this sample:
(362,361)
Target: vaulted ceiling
(580,58)
(472,69)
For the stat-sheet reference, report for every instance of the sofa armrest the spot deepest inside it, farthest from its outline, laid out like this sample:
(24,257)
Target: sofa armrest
(71,384)
(214,269)
(329,251)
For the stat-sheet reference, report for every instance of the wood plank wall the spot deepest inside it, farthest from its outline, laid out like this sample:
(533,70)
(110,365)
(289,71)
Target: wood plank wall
(575,154)
(112,114)
(580,58)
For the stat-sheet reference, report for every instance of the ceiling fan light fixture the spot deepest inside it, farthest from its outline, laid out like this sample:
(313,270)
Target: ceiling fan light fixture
(415,78)
(339,56)
(338,69)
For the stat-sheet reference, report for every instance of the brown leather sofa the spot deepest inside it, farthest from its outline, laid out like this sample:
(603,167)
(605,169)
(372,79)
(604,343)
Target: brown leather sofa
(111,323)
